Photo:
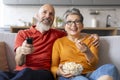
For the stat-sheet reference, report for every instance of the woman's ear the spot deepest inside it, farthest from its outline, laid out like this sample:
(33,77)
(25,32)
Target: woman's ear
(63,24)
(82,25)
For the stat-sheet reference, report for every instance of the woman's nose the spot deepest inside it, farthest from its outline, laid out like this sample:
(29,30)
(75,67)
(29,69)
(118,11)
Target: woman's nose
(73,24)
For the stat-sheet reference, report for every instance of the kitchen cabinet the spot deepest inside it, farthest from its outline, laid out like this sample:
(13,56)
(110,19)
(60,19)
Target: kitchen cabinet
(21,2)
(82,2)
(34,2)
(96,2)
(106,2)
(57,2)
(10,1)
(64,2)
(67,2)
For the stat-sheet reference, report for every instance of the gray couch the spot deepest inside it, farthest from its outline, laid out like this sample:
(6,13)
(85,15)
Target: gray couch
(109,51)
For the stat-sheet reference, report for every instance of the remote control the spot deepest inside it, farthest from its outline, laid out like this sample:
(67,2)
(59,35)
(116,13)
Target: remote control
(29,40)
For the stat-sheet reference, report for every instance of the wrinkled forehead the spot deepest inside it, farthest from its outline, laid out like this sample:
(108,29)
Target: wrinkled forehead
(47,8)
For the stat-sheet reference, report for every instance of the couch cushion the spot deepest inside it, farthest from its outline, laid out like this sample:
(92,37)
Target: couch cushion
(9,38)
(109,50)
(3,59)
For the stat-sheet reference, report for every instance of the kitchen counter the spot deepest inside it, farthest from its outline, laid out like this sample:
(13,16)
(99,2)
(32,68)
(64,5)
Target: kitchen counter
(15,29)
(101,31)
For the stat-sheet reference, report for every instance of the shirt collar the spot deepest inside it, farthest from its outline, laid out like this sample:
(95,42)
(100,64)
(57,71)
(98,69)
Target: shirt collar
(32,28)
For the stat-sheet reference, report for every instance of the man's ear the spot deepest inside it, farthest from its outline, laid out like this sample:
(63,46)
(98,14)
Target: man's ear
(36,16)
(35,19)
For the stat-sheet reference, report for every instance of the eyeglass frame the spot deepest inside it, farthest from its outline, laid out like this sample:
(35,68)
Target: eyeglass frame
(71,22)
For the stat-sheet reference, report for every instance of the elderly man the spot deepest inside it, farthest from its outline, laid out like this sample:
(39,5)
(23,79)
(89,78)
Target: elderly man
(33,61)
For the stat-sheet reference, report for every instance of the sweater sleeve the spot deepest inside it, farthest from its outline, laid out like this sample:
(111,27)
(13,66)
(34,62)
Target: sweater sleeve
(95,58)
(55,58)
(94,51)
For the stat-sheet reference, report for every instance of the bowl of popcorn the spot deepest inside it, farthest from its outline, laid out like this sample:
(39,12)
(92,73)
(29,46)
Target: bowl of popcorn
(72,68)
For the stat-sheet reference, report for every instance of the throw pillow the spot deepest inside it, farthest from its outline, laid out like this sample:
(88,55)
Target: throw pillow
(3,58)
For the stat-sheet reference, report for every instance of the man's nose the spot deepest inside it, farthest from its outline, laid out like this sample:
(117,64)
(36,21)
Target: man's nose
(47,15)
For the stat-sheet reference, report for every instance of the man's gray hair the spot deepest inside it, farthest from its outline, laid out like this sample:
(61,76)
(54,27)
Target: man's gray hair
(73,11)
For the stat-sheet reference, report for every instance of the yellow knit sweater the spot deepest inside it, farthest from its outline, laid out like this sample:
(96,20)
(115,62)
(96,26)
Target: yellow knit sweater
(65,50)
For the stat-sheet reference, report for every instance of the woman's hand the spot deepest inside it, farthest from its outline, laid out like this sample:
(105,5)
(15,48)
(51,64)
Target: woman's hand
(61,73)
(84,49)
(81,46)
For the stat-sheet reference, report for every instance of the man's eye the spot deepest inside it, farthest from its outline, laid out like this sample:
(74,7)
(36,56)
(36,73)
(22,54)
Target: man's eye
(44,12)
(69,22)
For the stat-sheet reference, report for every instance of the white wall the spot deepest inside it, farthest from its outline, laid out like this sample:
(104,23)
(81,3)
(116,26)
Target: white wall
(10,15)
(1,13)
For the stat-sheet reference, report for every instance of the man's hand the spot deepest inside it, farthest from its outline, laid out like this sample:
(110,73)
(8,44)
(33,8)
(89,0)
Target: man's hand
(26,48)
(22,51)
(96,40)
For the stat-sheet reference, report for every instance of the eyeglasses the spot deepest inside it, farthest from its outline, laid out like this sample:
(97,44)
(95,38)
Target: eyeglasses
(77,22)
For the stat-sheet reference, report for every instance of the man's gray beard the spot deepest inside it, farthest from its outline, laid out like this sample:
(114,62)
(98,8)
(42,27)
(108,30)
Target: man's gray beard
(43,27)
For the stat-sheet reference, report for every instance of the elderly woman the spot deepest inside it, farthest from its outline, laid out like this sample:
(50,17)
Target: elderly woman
(78,49)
